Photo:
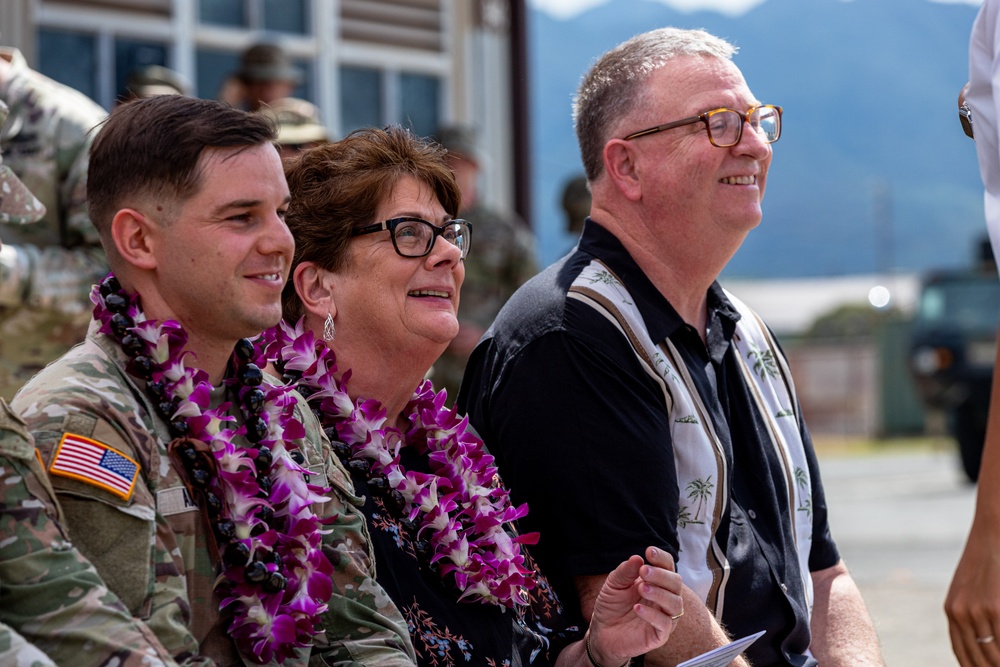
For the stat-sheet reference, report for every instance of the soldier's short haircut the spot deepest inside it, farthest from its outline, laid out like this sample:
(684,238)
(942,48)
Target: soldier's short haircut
(615,83)
(337,188)
(148,149)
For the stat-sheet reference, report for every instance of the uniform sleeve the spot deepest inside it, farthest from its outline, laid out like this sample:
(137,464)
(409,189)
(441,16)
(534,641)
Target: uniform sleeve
(48,591)
(362,626)
(130,545)
(16,650)
(585,442)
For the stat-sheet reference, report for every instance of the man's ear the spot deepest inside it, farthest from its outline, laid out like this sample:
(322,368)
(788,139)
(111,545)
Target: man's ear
(134,236)
(314,286)
(619,161)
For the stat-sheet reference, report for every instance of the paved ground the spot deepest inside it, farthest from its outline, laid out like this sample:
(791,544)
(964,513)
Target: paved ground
(900,518)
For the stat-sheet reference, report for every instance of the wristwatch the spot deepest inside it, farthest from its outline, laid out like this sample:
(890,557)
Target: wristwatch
(965,117)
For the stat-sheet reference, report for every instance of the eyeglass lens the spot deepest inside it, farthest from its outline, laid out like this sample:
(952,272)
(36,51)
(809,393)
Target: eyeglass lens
(414,238)
(725,126)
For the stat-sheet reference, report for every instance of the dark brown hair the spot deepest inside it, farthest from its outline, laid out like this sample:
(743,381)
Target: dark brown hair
(337,188)
(148,149)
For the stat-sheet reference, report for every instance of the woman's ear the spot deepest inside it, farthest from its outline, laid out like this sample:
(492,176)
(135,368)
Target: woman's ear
(314,286)
(134,236)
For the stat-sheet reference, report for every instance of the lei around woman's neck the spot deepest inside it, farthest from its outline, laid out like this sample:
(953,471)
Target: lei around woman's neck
(275,579)
(458,516)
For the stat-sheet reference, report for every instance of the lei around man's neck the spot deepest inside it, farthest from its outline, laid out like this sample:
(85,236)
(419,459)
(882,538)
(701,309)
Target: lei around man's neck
(459,518)
(248,479)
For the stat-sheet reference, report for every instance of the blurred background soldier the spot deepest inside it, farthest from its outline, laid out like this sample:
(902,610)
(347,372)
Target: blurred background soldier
(154,80)
(46,270)
(266,75)
(502,258)
(299,125)
(576,204)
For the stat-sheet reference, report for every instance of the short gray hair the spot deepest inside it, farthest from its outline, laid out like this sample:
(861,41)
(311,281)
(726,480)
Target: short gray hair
(614,84)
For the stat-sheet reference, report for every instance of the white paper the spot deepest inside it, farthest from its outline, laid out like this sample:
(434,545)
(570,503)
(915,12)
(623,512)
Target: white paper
(722,656)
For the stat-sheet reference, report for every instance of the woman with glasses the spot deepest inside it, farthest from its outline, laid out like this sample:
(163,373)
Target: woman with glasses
(371,304)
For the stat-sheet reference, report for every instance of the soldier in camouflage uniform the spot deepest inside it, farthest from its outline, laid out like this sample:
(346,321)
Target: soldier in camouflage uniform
(503,260)
(54,608)
(46,270)
(212,256)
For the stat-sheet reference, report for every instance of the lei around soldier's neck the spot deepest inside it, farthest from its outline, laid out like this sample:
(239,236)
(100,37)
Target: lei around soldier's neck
(458,516)
(248,478)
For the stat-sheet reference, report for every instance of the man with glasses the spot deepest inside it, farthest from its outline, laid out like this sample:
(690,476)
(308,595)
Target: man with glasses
(629,399)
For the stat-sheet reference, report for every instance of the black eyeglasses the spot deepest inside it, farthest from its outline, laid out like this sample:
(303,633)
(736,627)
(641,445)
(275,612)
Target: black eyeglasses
(414,237)
(725,126)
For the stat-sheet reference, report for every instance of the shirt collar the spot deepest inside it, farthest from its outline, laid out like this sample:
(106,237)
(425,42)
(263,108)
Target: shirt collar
(659,315)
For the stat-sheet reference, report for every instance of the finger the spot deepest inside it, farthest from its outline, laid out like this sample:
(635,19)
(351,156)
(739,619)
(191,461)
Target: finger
(666,579)
(969,651)
(670,602)
(658,619)
(660,558)
(959,647)
(623,576)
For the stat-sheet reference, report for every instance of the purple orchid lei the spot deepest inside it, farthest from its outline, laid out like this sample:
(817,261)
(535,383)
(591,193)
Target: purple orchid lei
(275,580)
(460,504)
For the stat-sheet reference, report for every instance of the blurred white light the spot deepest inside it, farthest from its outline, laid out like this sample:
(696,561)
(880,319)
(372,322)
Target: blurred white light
(879,296)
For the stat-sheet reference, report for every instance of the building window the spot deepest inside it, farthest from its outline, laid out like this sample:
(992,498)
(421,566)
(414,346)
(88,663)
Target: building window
(360,98)
(287,16)
(373,97)
(419,102)
(69,58)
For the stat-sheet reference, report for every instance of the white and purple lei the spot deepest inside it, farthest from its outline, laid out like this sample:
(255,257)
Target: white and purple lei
(275,580)
(460,504)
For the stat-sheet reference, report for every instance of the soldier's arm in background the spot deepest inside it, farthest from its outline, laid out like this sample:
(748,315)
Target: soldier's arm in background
(49,593)
(58,277)
(52,265)
(52,278)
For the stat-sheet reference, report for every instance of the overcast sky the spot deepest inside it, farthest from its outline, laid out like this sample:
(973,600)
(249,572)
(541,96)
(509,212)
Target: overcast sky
(570,8)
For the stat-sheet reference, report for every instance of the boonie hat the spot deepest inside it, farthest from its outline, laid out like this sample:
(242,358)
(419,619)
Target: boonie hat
(297,120)
(17,204)
(157,80)
(267,62)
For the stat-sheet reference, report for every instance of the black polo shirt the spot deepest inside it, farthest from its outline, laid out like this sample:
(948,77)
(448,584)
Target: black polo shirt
(581,434)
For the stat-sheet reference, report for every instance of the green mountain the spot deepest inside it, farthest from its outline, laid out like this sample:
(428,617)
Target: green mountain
(872,172)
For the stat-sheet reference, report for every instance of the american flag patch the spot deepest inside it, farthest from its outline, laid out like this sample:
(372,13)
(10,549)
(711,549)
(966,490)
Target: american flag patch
(95,463)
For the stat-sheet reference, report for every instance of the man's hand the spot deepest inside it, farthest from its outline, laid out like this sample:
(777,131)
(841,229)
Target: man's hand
(636,608)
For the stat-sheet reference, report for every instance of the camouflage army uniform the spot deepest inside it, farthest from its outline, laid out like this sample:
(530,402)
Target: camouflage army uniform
(46,269)
(16,650)
(170,586)
(49,593)
(501,260)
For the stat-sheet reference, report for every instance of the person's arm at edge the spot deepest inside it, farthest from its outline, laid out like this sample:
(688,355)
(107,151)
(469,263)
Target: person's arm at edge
(843,634)
(973,601)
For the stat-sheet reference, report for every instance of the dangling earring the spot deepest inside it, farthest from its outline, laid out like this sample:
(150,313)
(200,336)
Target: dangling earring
(329,331)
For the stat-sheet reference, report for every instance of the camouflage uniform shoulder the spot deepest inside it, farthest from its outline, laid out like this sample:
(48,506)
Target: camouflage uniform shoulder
(88,377)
